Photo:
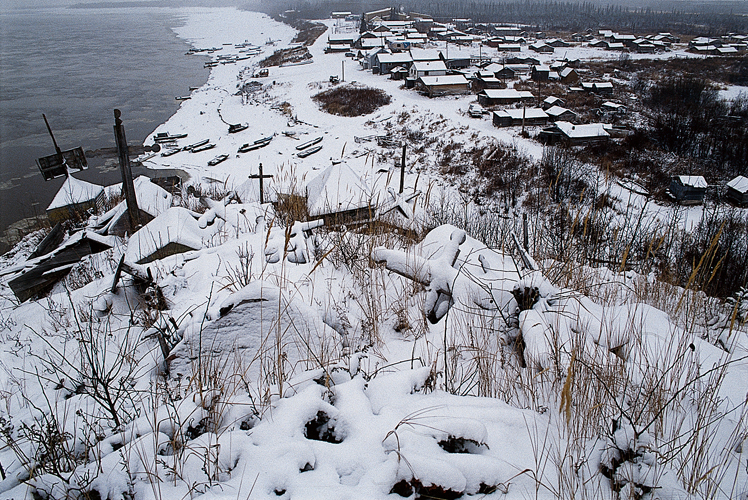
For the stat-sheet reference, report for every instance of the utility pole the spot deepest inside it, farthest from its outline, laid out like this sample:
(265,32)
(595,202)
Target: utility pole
(342,70)
(402,172)
(128,188)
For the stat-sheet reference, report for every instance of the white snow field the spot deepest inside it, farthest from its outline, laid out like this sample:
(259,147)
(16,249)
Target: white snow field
(299,362)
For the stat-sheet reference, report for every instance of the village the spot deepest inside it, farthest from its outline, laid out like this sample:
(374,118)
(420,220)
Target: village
(402,259)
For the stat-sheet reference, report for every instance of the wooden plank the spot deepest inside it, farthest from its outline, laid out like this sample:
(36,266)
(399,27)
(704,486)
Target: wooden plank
(50,242)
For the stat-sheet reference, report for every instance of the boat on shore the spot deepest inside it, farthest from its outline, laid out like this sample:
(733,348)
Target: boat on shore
(218,159)
(305,145)
(237,127)
(170,152)
(309,152)
(204,147)
(166,137)
(259,143)
(183,98)
(197,145)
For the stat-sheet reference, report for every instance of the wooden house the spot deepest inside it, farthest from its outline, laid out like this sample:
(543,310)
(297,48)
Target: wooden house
(493,97)
(737,191)
(427,68)
(540,73)
(518,116)
(443,85)
(541,47)
(557,113)
(568,75)
(386,62)
(551,101)
(574,135)
(505,73)
(398,73)
(688,189)
(74,200)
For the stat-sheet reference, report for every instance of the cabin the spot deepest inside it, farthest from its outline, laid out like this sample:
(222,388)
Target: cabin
(557,113)
(568,75)
(74,200)
(614,107)
(493,97)
(737,191)
(443,85)
(505,73)
(519,116)
(540,73)
(574,135)
(551,101)
(398,73)
(427,68)
(688,189)
(386,62)
(419,55)
(541,47)
(339,195)
(509,47)
(487,82)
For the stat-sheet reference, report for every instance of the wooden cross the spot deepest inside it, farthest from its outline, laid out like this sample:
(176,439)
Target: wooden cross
(261,177)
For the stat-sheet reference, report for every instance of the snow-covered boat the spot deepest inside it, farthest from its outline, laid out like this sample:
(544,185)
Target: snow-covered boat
(204,147)
(308,152)
(166,137)
(218,159)
(305,145)
(237,127)
(197,145)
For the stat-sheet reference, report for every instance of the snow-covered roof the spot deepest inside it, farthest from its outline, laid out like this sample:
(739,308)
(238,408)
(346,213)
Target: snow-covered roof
(401,58)
(739,184)
(507,94)
(581,131)
(444,80)
(176,225)
(517,113)
(552,100)
(338,188)
(425,54)
(429,66)
(75,191)
(694,181)
(557,111)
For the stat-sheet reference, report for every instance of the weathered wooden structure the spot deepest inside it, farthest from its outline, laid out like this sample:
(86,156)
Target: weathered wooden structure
(688,189)
(737,191)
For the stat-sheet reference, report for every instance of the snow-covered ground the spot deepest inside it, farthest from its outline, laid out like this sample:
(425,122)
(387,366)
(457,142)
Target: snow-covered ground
(274,363)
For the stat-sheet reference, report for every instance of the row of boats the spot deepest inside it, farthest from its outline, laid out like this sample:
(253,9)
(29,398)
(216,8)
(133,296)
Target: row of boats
(305,149)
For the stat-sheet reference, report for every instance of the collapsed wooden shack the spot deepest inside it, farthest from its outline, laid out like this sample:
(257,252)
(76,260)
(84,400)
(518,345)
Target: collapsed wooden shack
(339,196)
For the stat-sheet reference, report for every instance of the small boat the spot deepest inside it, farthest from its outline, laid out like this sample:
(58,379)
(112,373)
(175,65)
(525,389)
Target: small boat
(182,98)
(204,147)
(218,159)
(259,143)
(196,145)
(166,137)
(309,143)
(211,64)
(237,127)
(309,151)
(170,152)
(192,89)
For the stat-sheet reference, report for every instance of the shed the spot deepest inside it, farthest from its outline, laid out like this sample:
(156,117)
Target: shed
(551,101)
(339,195)
(387,62)
(575,135)
(443,85)
(688,189)
(737,190)
(74,199)
(557,113)
(398,73)
(568,75)
(515,117)
(541,47)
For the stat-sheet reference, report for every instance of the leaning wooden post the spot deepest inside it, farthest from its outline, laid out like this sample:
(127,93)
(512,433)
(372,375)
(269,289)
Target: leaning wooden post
(124,166)
(402,172)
